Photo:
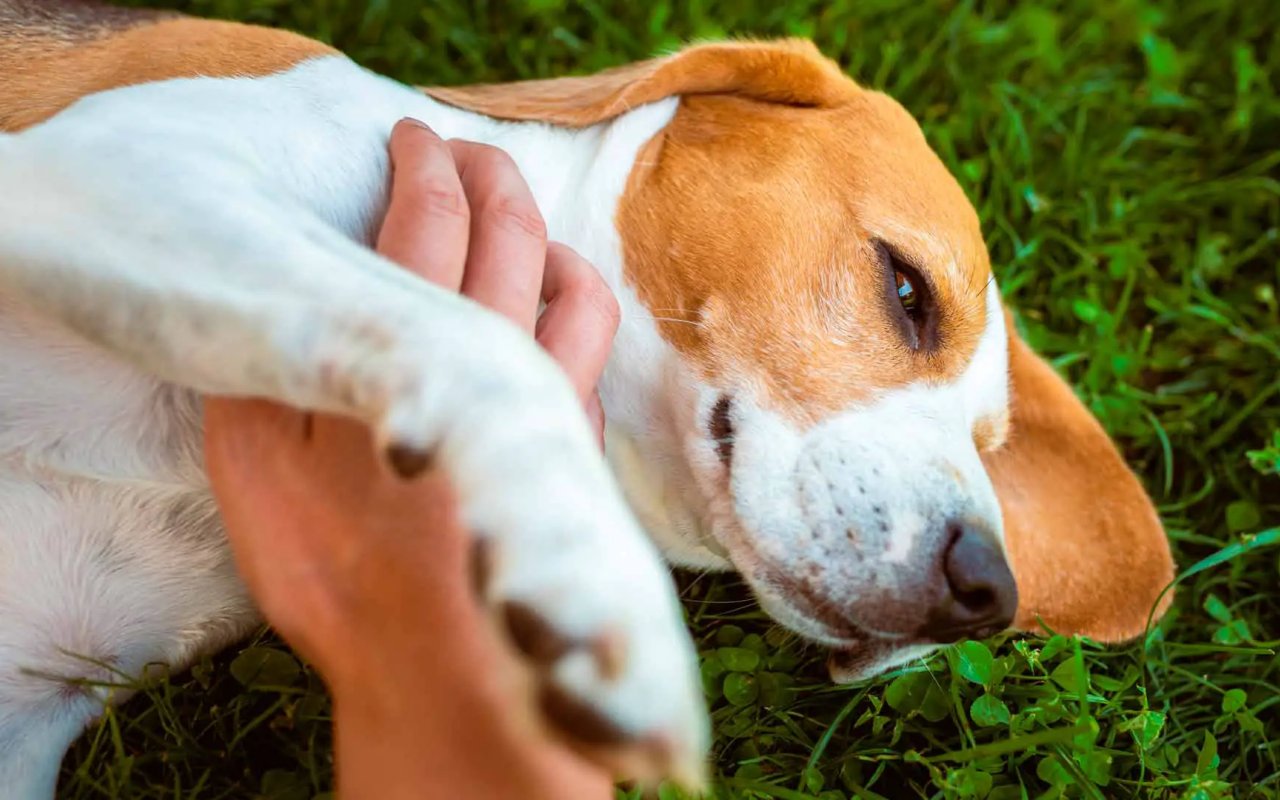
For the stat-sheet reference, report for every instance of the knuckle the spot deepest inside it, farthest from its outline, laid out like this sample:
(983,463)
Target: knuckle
(442,201)
(518,215)
(609,307)
(604,302)
(586,282)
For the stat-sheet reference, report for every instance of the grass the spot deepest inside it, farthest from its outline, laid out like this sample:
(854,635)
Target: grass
(1124,159)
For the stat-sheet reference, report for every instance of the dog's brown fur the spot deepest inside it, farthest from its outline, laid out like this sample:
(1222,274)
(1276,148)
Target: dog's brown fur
(1087,548)
(760,126)
(52,54)
(698,218)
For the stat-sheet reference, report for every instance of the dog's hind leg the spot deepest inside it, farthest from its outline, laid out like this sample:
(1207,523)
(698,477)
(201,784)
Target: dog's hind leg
(99,583)
(47,697)
(32,743)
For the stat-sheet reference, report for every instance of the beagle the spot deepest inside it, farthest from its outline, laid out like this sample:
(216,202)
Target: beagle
(814,384)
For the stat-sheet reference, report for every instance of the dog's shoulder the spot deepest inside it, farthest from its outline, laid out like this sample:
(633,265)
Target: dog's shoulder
(52,53)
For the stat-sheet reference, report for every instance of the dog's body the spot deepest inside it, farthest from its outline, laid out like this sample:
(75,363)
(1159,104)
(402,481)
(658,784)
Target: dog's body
(183,209)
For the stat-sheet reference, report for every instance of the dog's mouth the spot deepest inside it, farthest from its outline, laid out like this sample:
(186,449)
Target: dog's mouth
(797,602)
(871,658)
(801,606)
(856,651)
(850,661)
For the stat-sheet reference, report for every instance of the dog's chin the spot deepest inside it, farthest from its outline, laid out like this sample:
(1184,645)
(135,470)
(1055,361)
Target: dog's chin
(868,659)
(855,654)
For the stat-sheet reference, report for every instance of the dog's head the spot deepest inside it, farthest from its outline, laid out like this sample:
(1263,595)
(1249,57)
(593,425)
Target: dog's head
(844,411)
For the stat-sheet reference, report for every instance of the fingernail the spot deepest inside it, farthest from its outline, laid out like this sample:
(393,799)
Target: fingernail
(417,123)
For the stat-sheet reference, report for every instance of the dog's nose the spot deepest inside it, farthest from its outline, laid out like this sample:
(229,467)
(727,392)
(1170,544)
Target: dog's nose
(981,596)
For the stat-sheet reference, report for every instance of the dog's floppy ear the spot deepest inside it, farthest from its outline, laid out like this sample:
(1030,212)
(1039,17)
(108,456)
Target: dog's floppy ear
(1087,548)
(789,71)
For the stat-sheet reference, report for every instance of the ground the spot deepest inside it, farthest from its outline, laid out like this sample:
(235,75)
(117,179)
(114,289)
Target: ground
(1124,159)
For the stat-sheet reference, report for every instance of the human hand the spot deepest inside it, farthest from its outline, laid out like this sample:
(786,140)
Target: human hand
(366,574)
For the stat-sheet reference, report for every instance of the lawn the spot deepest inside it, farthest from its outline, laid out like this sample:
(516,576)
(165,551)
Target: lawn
(1125,160)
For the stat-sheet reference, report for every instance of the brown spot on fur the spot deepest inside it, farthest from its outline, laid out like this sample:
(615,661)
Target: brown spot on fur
(755,213)
(52,54)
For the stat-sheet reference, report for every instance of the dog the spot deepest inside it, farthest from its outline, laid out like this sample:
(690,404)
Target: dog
(815,382)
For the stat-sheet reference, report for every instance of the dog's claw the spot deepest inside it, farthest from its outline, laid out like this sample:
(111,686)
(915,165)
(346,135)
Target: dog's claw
(577,720)
(598,700)
(408,462)
(645,760)
(482,568)
(533,635)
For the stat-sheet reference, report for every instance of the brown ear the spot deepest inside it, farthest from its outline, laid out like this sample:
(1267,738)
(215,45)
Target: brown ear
(789,71)
(1088,550)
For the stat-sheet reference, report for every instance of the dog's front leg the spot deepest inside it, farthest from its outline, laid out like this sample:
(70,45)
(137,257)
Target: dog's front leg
(184,262)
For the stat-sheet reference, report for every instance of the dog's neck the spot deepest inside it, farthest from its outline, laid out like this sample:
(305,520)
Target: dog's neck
(577,178)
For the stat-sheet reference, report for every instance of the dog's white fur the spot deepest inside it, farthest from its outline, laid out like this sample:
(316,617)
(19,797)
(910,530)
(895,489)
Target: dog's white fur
(202,233)
(862,500)
(858,504)
(207,235)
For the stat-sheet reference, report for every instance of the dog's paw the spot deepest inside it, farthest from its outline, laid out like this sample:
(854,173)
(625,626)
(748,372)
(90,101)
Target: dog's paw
(577,588)
(586,603)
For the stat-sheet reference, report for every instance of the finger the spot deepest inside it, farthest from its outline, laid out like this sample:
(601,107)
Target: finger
(580,319)
(508,236)
(428,220)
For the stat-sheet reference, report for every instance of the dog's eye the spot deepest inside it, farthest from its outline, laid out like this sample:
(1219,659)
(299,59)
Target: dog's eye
(907,293)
